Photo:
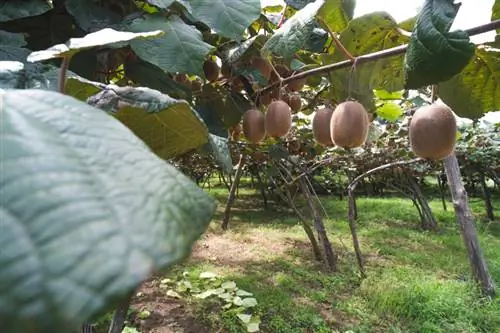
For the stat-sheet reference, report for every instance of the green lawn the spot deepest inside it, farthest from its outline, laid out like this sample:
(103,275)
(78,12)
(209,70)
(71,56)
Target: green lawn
(416,281)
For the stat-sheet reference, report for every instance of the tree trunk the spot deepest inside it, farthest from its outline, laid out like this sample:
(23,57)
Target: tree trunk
(224,180)
(307,228)
(487,198)
(262,188)
(429,221)
(467,229)
(120,316)
(441,192)
(232,192)
(328,253)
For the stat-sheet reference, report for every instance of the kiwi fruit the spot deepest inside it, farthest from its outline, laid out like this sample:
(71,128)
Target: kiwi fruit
(321,126)
(275,94)
(296,85)
(285,98)
(254,125)
(295,103)
(265,98)
(263,65)
(282,70)
(237,84)
(293,147)
(258,156)
(432,132)
(278,119)
(196,85)
(211,70)
(235,132)
(181,78)
(349,125)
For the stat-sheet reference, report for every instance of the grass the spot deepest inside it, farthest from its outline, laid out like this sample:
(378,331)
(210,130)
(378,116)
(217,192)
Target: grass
(417,281)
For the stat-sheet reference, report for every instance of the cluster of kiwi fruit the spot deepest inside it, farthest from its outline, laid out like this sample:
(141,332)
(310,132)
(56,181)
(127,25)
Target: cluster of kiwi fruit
(276,122)
(211,70)
(289,94)
(347,126)
(432,129)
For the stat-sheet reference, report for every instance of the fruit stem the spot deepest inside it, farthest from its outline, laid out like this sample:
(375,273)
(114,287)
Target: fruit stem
(63,70)
(337,42)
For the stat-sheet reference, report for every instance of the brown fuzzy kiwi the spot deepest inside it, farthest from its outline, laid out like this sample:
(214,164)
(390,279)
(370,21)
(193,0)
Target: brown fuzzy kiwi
(196,85)
(235,132)
(265,98)
(211,70)
(181,78)
(275,94)
(296,85)
(263,65)
(285,98)
(295,103)
(278,119)
(432,132)
(282,70)
(258,156)
(237,84)
(349,125)
(321,126)
(254,127)
(293,147)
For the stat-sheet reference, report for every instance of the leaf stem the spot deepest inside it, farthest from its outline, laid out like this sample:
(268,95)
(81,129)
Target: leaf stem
(337,42)
(63,70)
(401,49)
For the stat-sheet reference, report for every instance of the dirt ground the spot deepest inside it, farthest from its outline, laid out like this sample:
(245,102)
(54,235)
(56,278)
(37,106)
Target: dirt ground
(170,315)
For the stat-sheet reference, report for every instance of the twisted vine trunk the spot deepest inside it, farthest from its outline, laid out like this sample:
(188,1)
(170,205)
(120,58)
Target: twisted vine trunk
(428,221)
(328,253)
(118,321)
(232,192)
(487,198)
(467,229)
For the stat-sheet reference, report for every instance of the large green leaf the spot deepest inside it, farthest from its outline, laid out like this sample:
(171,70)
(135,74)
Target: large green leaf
(495,11)
(81,88)
(228,18)
(220,149)
(371,33)
(148,75)
(434,53)
(298,4)
(336,14)
(87,212)
(495,14)
(16,9)
(476,90)
(293,35)
(91,17)
(182,49)
(105,37)
(18,75)
(11,74)
(12,39)
(212,119)
(168,126)
(162,4)
(229,106)
(246,49)
(12,47)
(366,34)
(390,111)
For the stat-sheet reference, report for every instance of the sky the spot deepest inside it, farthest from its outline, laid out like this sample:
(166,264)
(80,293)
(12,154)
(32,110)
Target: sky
(472,13)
